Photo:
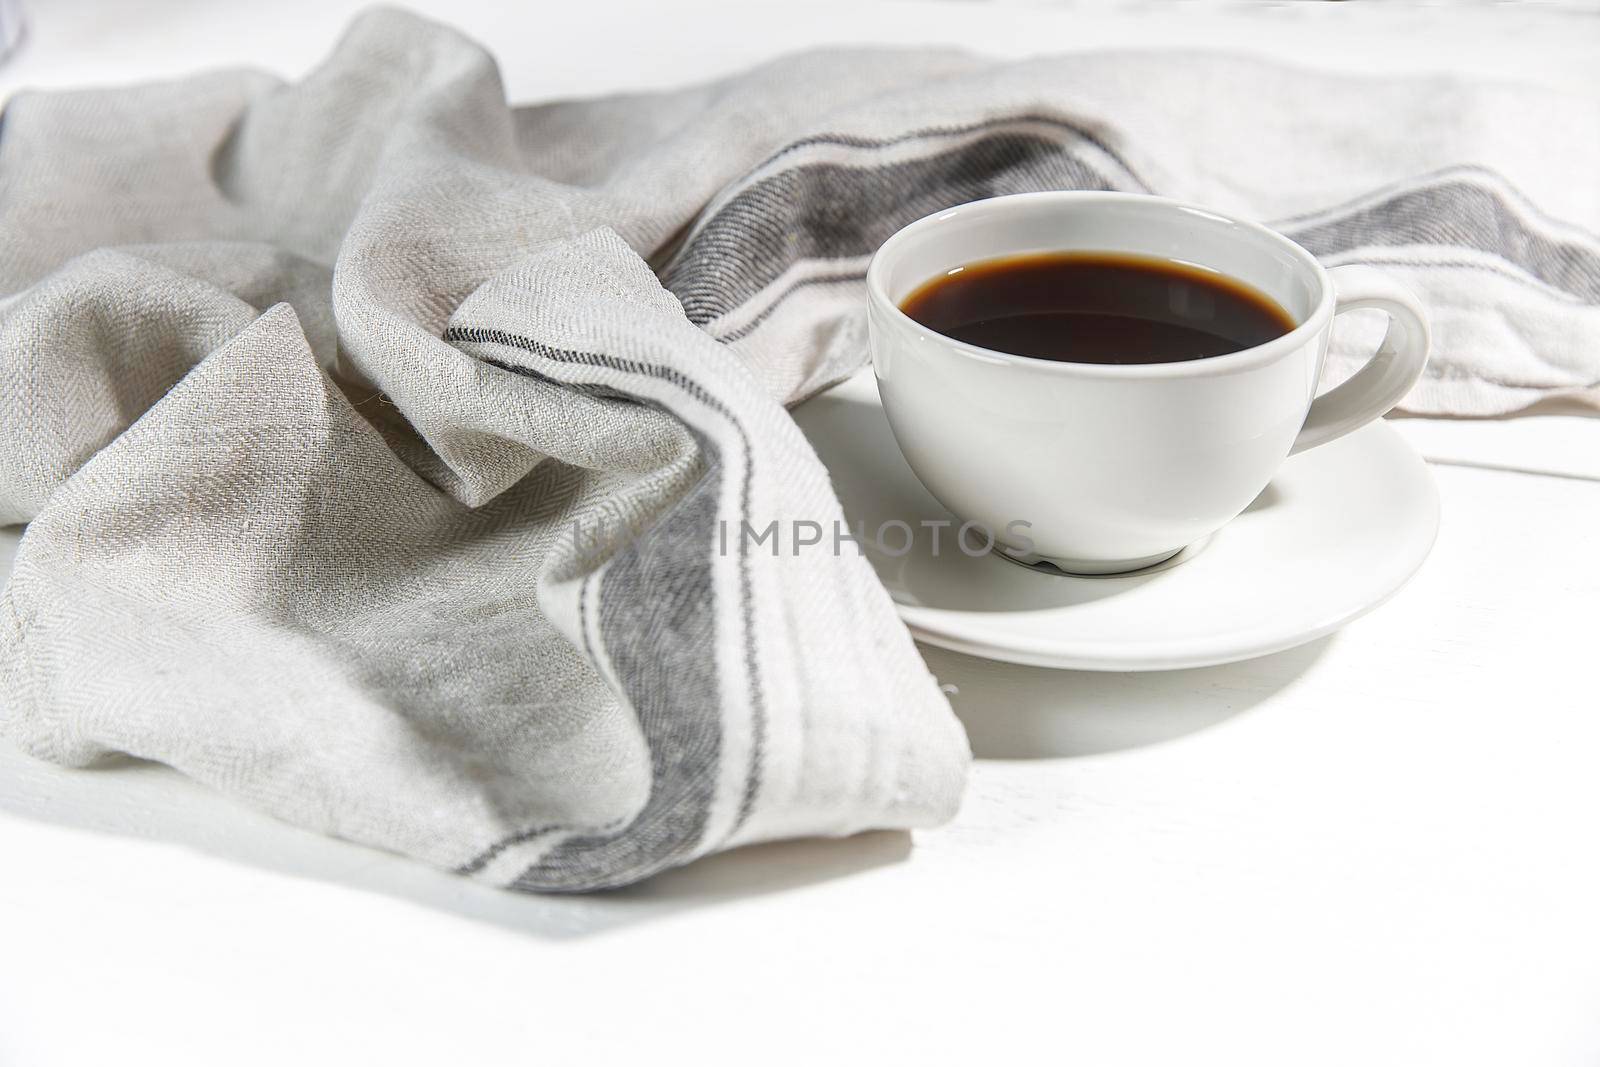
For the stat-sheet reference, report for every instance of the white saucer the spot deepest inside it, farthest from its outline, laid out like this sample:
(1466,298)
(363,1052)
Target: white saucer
(1337,532)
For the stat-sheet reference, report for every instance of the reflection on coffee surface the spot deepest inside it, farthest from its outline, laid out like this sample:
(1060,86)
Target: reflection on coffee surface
(1097,307)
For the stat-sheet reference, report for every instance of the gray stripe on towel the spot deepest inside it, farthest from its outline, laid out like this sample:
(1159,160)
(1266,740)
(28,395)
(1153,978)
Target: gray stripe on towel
(829,211)
(657,623)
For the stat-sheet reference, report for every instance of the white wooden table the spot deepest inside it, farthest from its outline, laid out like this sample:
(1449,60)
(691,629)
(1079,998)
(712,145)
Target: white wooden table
(1378,849)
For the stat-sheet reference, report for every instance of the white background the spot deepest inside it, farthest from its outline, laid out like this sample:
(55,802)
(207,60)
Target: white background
(1378,849)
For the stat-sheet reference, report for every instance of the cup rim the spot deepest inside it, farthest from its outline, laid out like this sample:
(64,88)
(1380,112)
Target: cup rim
(1244,359)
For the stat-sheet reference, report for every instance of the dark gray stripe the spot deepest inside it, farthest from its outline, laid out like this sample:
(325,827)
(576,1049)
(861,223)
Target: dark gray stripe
(1078,130)
(657,626)
(674,817)
(825,211)
(1459,214)
(828,211)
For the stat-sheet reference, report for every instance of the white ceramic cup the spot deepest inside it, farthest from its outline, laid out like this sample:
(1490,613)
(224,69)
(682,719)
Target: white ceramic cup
(1102,468)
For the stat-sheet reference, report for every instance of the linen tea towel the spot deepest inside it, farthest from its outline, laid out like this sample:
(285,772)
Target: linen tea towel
(374,476)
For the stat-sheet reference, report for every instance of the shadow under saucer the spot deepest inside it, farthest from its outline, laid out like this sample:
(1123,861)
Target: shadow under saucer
(1012,711)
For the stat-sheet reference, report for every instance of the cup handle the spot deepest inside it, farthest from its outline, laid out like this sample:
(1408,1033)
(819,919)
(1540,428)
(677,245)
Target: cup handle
(1388,375)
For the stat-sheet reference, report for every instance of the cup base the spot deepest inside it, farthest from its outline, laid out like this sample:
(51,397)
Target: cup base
(1079,568)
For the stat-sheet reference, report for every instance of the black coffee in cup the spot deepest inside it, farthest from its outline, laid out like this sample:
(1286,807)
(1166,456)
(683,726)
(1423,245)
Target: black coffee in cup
(1097,307)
